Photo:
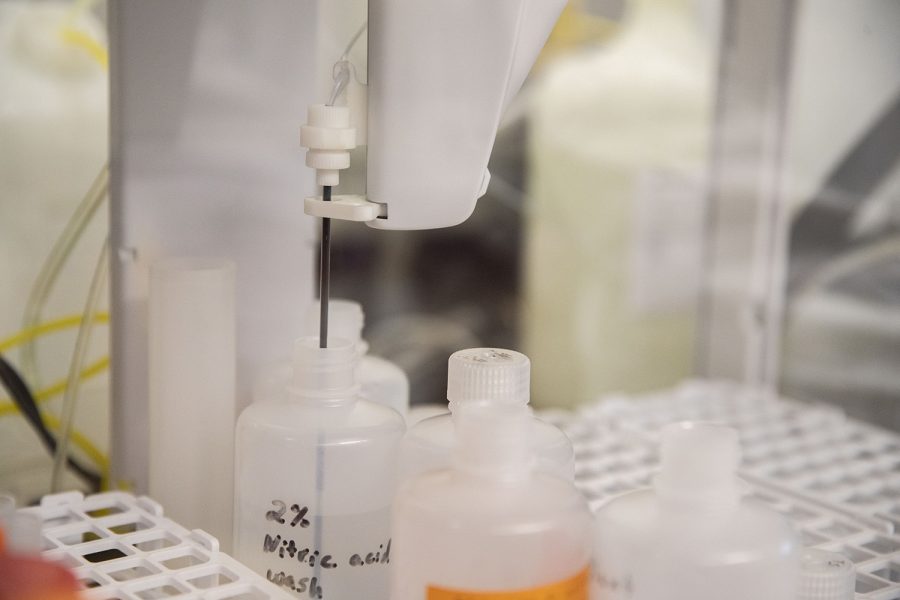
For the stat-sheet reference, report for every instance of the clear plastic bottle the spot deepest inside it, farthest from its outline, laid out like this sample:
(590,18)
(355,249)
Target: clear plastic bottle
(692,536)
(314,480)
(491,375)
(491,524)
(380,380)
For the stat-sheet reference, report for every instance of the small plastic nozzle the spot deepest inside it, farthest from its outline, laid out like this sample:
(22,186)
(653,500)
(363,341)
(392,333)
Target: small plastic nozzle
(488,374)
(699,463)
(493,439)
(345,320)
(324,373)
(826,576)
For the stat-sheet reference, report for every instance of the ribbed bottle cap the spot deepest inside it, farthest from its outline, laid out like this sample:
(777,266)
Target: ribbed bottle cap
(345,320)
(324,372)
(699,462)
(492,374)
(826,576)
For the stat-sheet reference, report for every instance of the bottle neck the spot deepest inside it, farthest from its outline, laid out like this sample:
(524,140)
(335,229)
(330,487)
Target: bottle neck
(346,398)
(324,376)
(494,443)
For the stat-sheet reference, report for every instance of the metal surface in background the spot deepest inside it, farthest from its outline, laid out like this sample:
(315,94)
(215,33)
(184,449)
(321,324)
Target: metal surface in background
(739,334)
(207,99)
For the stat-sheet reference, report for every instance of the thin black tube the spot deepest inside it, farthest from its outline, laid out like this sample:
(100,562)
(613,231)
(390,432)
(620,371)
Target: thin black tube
(24,400)
(324,272)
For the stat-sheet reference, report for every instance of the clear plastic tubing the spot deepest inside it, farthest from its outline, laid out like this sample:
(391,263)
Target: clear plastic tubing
(484,375)
(492,525)
(692,536)
(314,479)
(192,391)
(380,380)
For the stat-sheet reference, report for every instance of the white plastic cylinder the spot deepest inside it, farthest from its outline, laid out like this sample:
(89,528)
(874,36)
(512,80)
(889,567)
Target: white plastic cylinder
(191,332)
(314,479)
(692,537)
(490,525)
(492,375)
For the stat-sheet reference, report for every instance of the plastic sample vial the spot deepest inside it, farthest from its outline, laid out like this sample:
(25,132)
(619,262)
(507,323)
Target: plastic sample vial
(484,375)
(380,380)
(692,536)
(314,480)
(492,525)
(826,576)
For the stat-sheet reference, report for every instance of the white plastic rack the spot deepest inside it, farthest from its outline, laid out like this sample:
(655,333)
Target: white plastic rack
(837,479)
(122,548)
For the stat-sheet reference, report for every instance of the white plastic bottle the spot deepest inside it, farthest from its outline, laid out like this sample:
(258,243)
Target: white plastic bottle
(380,380)
(491,526)
(692,536)
(490,375)
(314,480)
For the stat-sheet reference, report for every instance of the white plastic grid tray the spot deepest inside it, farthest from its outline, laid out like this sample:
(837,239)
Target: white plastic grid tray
(790,450)
(121,547)
(812,450)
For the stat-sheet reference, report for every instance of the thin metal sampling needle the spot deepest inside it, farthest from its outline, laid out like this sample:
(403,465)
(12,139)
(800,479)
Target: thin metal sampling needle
(324,272)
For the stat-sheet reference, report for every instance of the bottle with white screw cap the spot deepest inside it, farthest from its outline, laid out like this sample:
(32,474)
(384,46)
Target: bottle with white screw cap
(490,375)
(490,525)
(692,536)
(314,480)
(826,576)
(380,380)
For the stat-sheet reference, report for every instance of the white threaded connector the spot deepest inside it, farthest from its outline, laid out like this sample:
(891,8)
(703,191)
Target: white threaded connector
(329,140)
(324,373)
(826,576)
(488,374)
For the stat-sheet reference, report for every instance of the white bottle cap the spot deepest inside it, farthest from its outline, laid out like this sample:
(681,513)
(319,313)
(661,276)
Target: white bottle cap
(699,463)
(826,576)
(488,374)
(324,373)
(493,439)
(345,320)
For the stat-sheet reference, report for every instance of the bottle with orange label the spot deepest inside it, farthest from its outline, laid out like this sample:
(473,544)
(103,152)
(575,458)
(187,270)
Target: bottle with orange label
(492,526)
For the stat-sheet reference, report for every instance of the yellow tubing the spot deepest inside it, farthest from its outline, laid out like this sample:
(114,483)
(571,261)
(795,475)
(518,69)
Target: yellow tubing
(93,369)
(19,338)
(82,40)
(76,37)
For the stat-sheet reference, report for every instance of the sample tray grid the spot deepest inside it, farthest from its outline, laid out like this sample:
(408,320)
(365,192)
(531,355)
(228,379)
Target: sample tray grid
(838,480)
(121,547)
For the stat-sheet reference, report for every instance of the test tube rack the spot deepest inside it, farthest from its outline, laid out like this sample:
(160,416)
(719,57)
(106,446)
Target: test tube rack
(122,548)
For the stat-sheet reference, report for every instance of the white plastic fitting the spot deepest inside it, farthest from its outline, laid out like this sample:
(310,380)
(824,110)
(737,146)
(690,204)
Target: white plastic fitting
(499,376)
(346,208)
(329,138)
